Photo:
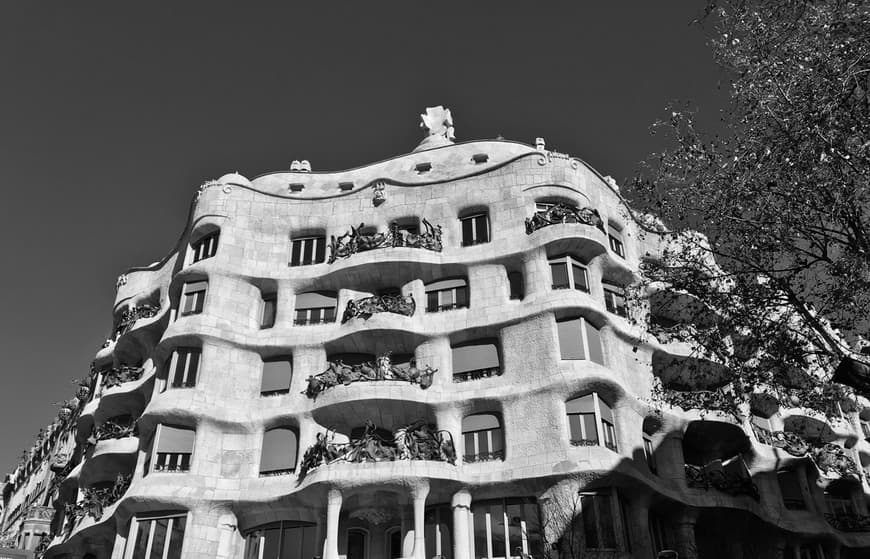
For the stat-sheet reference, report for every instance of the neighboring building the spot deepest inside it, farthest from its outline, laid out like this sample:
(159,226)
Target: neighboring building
(428,356)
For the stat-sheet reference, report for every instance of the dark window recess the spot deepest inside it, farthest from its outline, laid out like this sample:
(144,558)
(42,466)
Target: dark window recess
(482,438)
(311,250)
(278,455)
(475,360)
(480,158)
(614,301)
(446,295)
(475,229)
(345,185)
(206,247)
(193,297)
(315,308)
(516,284)
(615,237)
(277,376)
(296,187)
(267,311)
(423,167)
(185,367)
(790,487)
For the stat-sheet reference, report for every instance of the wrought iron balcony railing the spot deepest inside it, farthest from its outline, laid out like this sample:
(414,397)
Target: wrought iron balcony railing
(729,476)
(846,522)
(483,457)
(476,374)
(95,500)
(563,213)
(381,368)
(130,316)
(117,376)
(175,462)
(357,241)
(366,307)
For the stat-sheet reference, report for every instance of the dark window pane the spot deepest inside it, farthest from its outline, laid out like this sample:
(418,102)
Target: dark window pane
(515,528)
(515,280)
(329,314)
(533,529)
(468,440)
(467,232)
(496,515)
(587,506)
(192,368)
(159,539)
(320,252)
(605,521)
(432,301)
(276,376)
(497,438)
(574,425)
(580,282)
(199,301)
(482,229)
(593,337)
(560,275)
(141,544)
(308,251)
(268,317)
(272,543)
(296,254)
(480,533)
(176,538)
(462,296)
(589,427)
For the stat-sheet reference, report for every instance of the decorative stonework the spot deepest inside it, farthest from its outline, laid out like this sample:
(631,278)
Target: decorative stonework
(121,281)
(563,213)
(381,369)
(378,195)
(205,186)
(438,121)
(364,308)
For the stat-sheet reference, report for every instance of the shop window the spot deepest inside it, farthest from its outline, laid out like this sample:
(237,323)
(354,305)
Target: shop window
(438,520)
(578,339)
(614,300)
(307,250)
(184,367)
(790,488)
(193,297)
(590,422)
(506,528)
(283,540)
(205,247)
(277,376)
(446,295)
(357,542)
(599,521)
(268,308)
(278,455)
(483,438)
(316,307)
(158,537)
(516,285)
(568,273)
(615,237)
(475,229)
(173,449)
(475,360)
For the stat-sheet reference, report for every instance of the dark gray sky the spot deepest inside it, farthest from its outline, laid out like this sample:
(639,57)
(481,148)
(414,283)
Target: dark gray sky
(112,114)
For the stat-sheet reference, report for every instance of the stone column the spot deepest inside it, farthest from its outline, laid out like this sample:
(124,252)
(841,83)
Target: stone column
(685,533)
(638,530)
(670,462)
(461,505)
(419,494)
(333,508)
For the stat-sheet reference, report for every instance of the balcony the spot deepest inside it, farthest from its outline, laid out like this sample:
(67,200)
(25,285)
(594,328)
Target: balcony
(130,316)
(849,522)
(357,241)
(114,429)
(380,369)
(563,213)
(833,461)
(366,307)
(789,442)
(728,476)
(95,500)
(117,376)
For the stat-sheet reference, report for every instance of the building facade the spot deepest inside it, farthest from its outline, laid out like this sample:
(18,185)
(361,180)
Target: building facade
(428,356)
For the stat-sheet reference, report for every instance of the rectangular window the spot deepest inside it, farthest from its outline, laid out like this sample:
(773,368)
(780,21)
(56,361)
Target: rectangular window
(314,308)
(277,375)
(475,361)
(790,487)
(578,339)
(865,428)
(614,300)
(157,538)
(649,454)
(173,449)
(193,297)
(309,250)
(267,311)
(515,283)
(567,273)
(475,229)
(598,521)
(615,237)
(581,282)
(204,248)
(505,528)
(447,295)
(559,272)
(184,367)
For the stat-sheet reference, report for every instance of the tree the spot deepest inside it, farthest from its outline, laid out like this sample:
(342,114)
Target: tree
(781,197)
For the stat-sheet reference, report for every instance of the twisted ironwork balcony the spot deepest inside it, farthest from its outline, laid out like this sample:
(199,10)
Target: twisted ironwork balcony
(117,376)
(114,429)
(276,473)
(563,213)
(382,368)
(731,477)
(356,241)
(719,399)
(173,462)
(846,522)
(584,442)
(476,374)
(417,441)
(95,500)
(364,308)
(130,316)
(789,442)
(834,461)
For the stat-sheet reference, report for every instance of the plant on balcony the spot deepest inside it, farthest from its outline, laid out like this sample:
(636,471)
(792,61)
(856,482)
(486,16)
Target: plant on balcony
(366,307)
(832,460)
(563,213)
(381,369)
(356,241)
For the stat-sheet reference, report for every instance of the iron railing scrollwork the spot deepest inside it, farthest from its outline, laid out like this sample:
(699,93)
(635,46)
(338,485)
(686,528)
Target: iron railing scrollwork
(364,308)
(381,368)
(356,241)
(563,213)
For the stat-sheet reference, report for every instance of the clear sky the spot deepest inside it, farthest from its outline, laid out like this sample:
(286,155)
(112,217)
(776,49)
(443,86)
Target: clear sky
(113,113)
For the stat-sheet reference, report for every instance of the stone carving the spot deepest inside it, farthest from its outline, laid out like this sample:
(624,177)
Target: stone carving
(340,372)
(121,281)
(366,307)
(95,500)
(117,376)
(729,476)
(563,213)
(378,195)
(205,186)
(416,441)
(548,157)
(130,316)
(356,241)
(300,166)
(438,122)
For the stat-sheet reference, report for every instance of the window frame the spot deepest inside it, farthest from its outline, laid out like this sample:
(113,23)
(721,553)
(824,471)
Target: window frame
(611,294)
(151,519)
(288,359)
(268,310)
(205,247)
(318,250)
(474,218)
(612,501)
(307,321)
(257,535)
(441,307)
(584,341)
(176,361)
(279,471)
(152,462)
(196,298)
(615,240)
(505,521)
(490,433)
(605,434)
(649,453)
(571,264)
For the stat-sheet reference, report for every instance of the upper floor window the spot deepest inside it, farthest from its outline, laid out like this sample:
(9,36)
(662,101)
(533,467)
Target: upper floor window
(614,300)
(279,452)
(790,488)
(156,537)
(516,285)
(578,339)
(615,236)
(205,247)
(277,375)
(184,367)
(193,297)
(568,273)
(173,449)
(447,294)
(474,360)
(308,250)
(315,307)
(590,421)
(482,437)
(475,229)
(506,528)
(865,429)
(268,308)
(283,540)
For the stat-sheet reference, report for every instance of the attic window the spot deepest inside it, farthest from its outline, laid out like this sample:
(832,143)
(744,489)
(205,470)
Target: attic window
(296,187)
(423,167)
(345,185)
(480,158)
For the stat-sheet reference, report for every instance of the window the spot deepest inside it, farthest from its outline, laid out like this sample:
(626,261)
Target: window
(578,339)
(590,420)
(277,375)
(865,429)
(193,297)
(423,167)
(316,307)
(438,520)
(762,428)
(483,438)
(475,360)
(308,250)
(283,540)
(516,285)
(157,537)
(184,367)
(475,229)
(614,300)
(446,295)
(480,158)
(790,487)
(568,273)
(506,528)
(267,310)
(205,247)
(599,524)
(279,452)
(615,237)
(173,449)
(812,551)
(660,532)
(357,539)
(839,504)
(649,453)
